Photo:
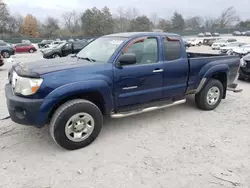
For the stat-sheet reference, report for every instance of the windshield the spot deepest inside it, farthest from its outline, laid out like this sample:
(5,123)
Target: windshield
(101,49)
(59,45)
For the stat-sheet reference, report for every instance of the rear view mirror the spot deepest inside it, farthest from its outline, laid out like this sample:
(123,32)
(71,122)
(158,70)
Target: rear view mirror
(127,59)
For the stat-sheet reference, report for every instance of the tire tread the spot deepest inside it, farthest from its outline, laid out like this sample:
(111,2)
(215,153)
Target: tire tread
(61,109)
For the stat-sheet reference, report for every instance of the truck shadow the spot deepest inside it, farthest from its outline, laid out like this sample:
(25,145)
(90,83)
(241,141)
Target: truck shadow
(154,117)
(39,140)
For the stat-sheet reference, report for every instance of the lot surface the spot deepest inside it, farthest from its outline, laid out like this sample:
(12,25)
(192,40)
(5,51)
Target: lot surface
(179,147)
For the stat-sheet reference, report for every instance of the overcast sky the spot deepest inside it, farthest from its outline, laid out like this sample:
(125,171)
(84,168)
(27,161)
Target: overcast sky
(164,8)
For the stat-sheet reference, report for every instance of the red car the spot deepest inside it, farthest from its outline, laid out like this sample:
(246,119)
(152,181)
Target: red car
(1,61)
(25,48)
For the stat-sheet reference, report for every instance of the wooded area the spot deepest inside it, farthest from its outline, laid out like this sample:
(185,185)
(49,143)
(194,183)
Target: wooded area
(96,22)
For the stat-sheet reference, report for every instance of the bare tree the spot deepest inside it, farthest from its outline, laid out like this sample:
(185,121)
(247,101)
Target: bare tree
(154,19)
(194,22)
(4,15)
(123,18)
(71,21)
(228,17)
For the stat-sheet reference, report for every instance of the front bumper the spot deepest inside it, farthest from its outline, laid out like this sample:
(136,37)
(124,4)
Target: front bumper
(23,110)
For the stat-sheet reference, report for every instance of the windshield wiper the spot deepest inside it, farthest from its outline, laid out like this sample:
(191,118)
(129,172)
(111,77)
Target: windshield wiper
(87,58)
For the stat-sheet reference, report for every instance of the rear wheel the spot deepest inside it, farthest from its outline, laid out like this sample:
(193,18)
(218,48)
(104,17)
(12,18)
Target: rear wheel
(210,96)
(31,51)
(76,124)
(5,54)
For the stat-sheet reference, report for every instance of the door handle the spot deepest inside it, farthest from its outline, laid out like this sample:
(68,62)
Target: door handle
(158,70)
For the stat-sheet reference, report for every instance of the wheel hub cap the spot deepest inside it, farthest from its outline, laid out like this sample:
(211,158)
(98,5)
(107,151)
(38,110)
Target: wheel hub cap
(213,95)
(79,127)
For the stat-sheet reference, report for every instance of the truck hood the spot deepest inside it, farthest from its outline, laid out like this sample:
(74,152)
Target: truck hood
(40,67)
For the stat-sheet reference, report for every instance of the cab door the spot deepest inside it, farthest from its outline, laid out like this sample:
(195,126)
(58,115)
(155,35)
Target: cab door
(141,82)
(67,49)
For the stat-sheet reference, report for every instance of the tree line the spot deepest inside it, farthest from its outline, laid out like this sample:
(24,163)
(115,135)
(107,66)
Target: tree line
(97,22)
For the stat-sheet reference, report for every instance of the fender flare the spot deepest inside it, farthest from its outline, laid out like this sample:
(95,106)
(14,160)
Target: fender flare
(205,74)
(76,88)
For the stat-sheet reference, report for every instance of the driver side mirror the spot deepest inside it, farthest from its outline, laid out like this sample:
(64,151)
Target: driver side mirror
(127,59)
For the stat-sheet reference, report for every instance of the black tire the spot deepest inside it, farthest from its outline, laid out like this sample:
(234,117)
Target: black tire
(5,54)
(64,113)
(201,97)
(31,51)
(56,55)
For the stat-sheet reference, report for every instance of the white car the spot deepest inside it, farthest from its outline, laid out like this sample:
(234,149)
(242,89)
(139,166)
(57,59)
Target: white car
(196,42)
(201,35)
(230,46)
(243,50)
(223,42)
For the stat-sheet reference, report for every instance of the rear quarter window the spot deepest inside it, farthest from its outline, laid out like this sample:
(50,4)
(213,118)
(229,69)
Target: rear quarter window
(172,49)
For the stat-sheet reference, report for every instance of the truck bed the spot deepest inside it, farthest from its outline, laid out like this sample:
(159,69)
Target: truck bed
(197,55)
(199,61)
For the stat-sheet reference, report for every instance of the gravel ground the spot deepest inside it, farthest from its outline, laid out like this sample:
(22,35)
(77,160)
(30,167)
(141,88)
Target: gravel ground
(179,147)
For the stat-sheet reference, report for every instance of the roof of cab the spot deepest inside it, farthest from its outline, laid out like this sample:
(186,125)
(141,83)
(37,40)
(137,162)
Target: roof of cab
(137,34)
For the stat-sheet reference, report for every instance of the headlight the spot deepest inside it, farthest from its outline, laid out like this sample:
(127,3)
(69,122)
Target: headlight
(26,86)
(242,62)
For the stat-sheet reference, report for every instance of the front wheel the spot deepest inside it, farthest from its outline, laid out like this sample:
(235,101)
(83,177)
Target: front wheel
(210,96)
(76,124)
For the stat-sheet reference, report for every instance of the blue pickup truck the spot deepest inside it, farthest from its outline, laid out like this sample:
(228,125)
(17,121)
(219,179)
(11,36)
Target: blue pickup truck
(117,75)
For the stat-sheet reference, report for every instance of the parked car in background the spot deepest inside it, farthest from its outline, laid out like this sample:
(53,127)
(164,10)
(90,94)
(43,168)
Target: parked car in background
(216,34)
(197,42)
(244,72)
(207,34)
(241,51)
(22,47)
(26,41)
(207,40)
(116,75)
(71,40)
(2,41)
(237,33)
(243,33)
(44,43)
(6,50)
(58,39)
(201,35)
(222,42)
(1,60)
(213,40)
(247,33)
(53,44)
(64,49)
(187,44)
(231,46)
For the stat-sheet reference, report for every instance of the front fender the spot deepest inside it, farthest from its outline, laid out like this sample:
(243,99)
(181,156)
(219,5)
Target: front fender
(76,88)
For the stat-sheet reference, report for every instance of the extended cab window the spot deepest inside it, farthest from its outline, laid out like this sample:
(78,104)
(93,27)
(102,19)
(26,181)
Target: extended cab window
(172,49)
(145,49)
